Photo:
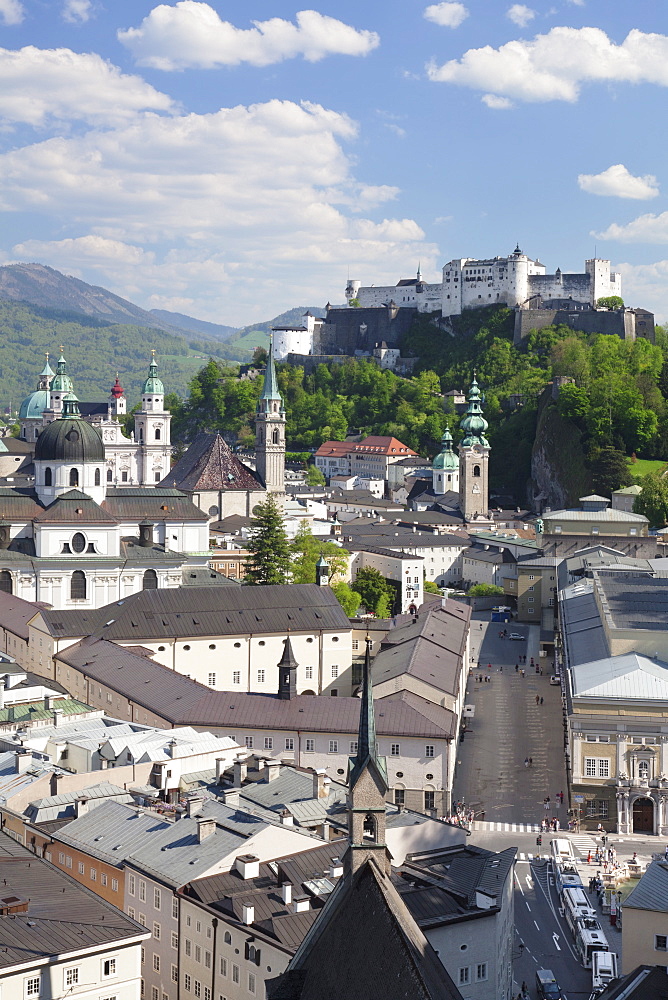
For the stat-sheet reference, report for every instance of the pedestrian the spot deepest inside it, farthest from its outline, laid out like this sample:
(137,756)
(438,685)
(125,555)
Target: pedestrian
(538,699)
(530,761)
(522,673)
(517,667)
(526,761)
(541,701)
(481,625)
(589,862)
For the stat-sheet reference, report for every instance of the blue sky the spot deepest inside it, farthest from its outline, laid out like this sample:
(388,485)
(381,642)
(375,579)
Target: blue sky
(230,160)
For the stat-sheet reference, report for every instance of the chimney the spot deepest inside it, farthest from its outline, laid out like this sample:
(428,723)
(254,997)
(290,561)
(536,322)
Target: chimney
(336,867)
(171,746)
(287,819)
(194,807)
(221,764)
(206,827)
(248,865)
(286,893)
(55,782)
(272,769)
(231,798)
(22,761)
(58,717)
(248,911)
(300,904)
(240,771)
(321,783)
(48,702)
(81,807)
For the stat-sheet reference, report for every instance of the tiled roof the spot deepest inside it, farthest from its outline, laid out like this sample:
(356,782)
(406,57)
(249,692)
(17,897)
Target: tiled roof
(19,504)
(209,464)
(73,507)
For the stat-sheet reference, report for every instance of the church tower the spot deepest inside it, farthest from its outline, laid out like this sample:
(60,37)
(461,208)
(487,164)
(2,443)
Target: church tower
(152,430)
(367,788)
(446,467)
(473,459)
(117,400)
(270,431)
(61,386)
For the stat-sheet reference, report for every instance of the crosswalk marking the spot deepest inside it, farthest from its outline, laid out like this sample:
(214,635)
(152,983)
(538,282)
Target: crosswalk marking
(584,843)
(491,826)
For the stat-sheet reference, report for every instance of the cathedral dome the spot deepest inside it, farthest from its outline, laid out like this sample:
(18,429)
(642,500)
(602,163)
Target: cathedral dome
(34,405)
(446,459)
(69,439)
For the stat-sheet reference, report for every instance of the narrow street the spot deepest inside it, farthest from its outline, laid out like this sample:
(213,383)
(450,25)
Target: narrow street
(508,726)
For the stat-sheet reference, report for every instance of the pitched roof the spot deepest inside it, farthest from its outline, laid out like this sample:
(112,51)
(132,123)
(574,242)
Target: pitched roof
(19,504)
(15,613)
(73,507)
(171,612)
(209,464)
(651,892)
(154,504)
(628,677)
(646,982)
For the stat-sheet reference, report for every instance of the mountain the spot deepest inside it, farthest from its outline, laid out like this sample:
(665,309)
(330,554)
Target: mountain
(214,331)
(43,286)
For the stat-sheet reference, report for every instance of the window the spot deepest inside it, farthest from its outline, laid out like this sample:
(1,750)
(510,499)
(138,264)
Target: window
(48,477)
(131,885)
(429,802)
(157,434)
(260,676)
(395,750)
(32,986)
(142,891)
(189,947)
(289,743)
(78,586)
(333,746)
(353,746)
(156,930)
(109,967)
(150,580)
(142,919)
(643,770)
(597,767)
(236,677)
(93,874)
(156,962)
(532,588)
(114,885)
(6,585)
(97,477)
(82,868)
(235,973)
(124,477)
(175,973)
(660,942)
(186,982)
(110,475)
(131,912)
(269,742)
(74,477)
(481,972)
(223,967)
(212,680)
(310,746)
(464,976)
(175,939)
(72,976)
(207,993)
(207,957)
(399,796)
(175,908)
(251,982)
(198,953)
(309,673)
(103,878)
(335,670)
(356,645)
(249,742)
(429,750)
(156,900)
(155,993)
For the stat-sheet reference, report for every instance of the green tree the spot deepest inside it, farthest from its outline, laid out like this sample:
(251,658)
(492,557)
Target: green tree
(609,471)
(653,501)
(484,590)
(268,545)
(611,302)
(306,550)
(314,476)
(349,599)
(573,403)
(373,588)
(431,587)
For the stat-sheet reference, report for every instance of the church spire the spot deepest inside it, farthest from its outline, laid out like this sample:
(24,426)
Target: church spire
(270,387)
(473,424)
(367,746)
(287,672)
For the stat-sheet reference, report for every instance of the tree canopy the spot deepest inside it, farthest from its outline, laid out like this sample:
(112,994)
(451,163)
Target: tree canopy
(268,545)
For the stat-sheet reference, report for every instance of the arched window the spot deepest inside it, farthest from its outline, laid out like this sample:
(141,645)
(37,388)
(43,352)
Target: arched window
(228,937)
(78,586)
(78,542)
(48,477)
(97,477)
(369,831)
(150,581)
(74,477)
(141,433)
(157,434)
(643,770)
(274,436)
(6,584)
(476,470)
(110,475)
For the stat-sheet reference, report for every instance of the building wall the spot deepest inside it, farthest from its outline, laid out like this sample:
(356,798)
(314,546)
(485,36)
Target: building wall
(406,571)
(156,907)
(124,984)
(639,930)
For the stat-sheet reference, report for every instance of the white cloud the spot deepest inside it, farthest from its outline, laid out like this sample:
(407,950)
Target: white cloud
(11,11)
(191,208)
(192,34)
(496,103)
(617,182)
(520,14)
(645,285)
(77,11)
(447,15)
(41,84)
(645,229)
(552,67)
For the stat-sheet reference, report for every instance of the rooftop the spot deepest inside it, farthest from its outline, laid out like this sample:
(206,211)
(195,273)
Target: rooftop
(209,464)
(634,602)
(651,892)
(628,677)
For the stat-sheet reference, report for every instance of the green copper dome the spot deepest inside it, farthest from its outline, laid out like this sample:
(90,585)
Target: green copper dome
(70,438)
(61,381)
(473,424)
(33,406)
(153,385)
(446,459)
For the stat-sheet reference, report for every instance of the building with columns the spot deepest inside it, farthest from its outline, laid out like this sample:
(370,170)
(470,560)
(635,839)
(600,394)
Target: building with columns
(143,458)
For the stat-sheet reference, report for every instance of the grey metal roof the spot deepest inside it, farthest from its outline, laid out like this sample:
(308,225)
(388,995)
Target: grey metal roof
(597,516)
(63,917)
(173,612)
(627,677)
(63,806)
(582,627)
(15,613)
(155,504)
(635,602)
(651,892)
(112,832)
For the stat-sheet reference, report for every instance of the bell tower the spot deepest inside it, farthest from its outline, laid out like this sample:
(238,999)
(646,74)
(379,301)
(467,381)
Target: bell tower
(367,787)
(152,430)
(474,459)
(270,431)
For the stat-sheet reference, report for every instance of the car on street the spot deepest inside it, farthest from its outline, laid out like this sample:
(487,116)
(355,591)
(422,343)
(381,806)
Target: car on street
(555,679)
(516,635)
(547,986)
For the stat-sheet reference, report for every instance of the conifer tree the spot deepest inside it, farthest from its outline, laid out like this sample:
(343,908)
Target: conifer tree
(268,545)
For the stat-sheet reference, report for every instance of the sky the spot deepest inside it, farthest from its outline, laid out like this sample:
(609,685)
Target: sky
(230,159)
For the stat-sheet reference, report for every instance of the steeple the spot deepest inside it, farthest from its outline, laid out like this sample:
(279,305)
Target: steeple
(322,571)
(153,385)
(287,672)
(270,387)
(62,382)
(445,466)
(45,375)
(419,271)
(473,423)
(367,786)
(474,459)
(270,431)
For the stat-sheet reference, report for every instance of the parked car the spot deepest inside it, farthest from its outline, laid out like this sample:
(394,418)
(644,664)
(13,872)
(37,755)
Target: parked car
(547,986)
(555,679)
(516,635)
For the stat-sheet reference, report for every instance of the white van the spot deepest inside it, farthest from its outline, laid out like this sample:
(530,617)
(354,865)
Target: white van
(603,969)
